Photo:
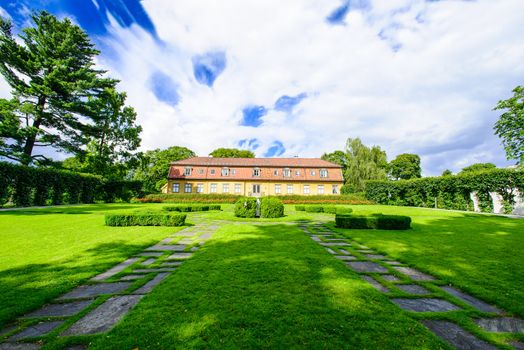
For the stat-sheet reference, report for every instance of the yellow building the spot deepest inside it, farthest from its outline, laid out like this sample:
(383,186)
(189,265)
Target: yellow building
(255,176)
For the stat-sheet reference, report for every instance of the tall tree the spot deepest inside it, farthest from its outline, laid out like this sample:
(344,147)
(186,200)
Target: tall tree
(232,153)
(510,126)
(51,72)
(154,166)
(364,163)
(337,157)
(405,166)
(478,167)
(447,172)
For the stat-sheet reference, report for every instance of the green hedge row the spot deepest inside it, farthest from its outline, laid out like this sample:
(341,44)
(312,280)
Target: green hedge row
(23,186)
(270,207)
(331,209)
(380,222)
(192,207)
(246,207)
(450,192)
(145,219)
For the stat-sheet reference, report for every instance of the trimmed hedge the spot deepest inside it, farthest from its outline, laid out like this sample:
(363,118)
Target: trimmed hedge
(145,219)
(271,207)
(379,222)
(246,207)
(450,192)
(24,186)
(192,207)
(330,209)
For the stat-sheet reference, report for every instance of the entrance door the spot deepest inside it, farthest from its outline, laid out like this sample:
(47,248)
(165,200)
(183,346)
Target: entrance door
(256,189)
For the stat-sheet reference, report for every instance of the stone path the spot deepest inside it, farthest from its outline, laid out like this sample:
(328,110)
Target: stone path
(393,278)
(115,287)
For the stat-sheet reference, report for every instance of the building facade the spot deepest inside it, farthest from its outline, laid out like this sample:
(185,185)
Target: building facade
(255,176)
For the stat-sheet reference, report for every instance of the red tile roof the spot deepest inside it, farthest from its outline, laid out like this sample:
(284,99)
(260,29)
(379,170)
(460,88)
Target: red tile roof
(271,169)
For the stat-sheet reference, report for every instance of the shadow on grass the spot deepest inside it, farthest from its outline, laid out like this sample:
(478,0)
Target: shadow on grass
(74,209)
(27,287)
(265,287)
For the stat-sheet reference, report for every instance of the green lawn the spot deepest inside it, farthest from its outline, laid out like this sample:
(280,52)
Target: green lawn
(481,254)
(265,286)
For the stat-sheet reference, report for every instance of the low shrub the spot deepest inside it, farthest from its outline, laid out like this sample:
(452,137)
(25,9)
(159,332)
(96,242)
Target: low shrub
(314,209)
(380,222)
(215,207)
(343,210)
(271,207)
(330,209)
(300,208)
(192,207)
(246,207)
(145,219)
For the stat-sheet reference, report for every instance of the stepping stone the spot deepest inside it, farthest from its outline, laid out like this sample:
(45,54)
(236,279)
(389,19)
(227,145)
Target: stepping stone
(114,270)
(335,244)
(177,256)
(131,277)
(501,324)
(468,299)
(160,269)
(148,287)
(365,251)
(331,251)
(413,289)
(414,274)
(193,249)
(205,236)
(95,290)
(316,238)
(345,257)
(104,317)
(168,247)
(375,256)
(166,240)
(36,330)
(343,251)
(394,263)
(375,284)
(334,240)
(366,266)
(517,345)
(148,262)
(8,329)
(185,241)
(390,278)
(456,336)
(425,305)
(76,347)
(157,254)
(172,263)
(19,346)
(60,310)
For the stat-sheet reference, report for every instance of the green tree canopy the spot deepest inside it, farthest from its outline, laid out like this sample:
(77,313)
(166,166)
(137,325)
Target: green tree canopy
(405,166)
(50,70)
(337,157)
(477,167)
(510,126)
(447,172)
(232,153)
(364,163)
(154,166)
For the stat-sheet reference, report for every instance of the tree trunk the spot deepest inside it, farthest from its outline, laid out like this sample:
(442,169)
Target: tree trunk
(31,139)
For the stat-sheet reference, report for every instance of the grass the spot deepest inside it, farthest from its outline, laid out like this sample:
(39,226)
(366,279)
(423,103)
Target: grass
(265,286)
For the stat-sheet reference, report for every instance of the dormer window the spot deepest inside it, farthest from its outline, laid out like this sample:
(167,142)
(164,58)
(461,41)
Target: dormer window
(286,172)
(323,173)
(297,172)
(233,172)
(275,172)
(256,172)
(187,171)
(212,171)
(312,172)
(225,172)
(200,171)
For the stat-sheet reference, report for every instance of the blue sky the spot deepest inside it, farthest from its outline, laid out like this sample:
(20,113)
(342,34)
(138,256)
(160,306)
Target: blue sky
(300,77)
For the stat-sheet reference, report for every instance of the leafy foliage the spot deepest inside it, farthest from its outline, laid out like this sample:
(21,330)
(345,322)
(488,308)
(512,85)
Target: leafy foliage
(380,222)
(246,207)
(331,209)
(232,153)
(192,207)
(510,126)
(449,192)
(477,167)
(271,207)
(145,219)
(337,157)
(154,166)
(447,172)
(405,166)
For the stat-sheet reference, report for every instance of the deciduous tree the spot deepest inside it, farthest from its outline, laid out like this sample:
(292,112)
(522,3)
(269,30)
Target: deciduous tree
(510,126)
(232,153)
(405,166)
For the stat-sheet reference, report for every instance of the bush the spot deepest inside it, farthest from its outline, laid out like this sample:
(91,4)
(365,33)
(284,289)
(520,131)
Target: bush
(246,207)
(300,208)
(343,210)
(145,219)
(192,207)
(330,209)
(380,222)
(215,207)
(188,198)
(314,209)
(271,207)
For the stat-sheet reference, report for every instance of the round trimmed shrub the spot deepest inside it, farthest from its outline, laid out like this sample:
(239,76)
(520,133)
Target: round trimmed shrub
(315,209)
(300,207)
(271,207)
(246,207)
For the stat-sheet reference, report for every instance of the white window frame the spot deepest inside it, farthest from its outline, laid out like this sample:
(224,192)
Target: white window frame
(320,189)
(256,172)
(213,188)
(212,171)
(225,188)
(306,189)
(289,189)
(297,172)
(275,173)
(334,189)
(177,186)
(278,188)
(224,172)
(188,171)
(312,172)
(238,188)
(188,186)
(200,188)
(323,173)
(233,172)
(286,172)
(200,171)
